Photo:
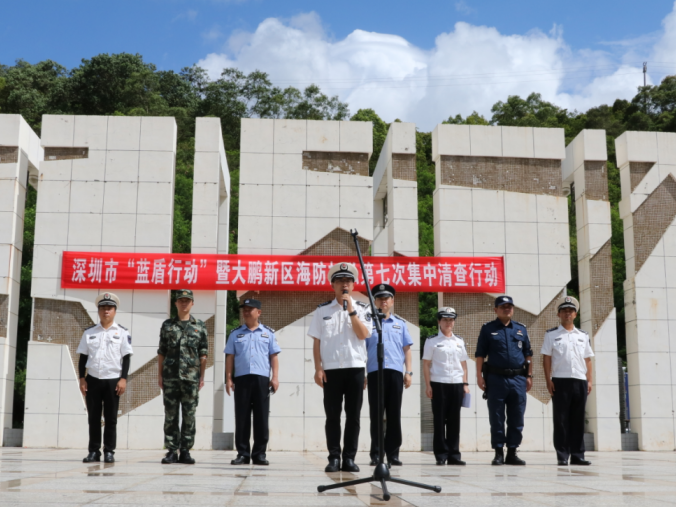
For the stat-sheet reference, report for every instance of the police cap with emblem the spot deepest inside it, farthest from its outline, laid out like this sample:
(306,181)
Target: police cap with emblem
(185,293)
(253,303)
(108,299)
(446,312)
(568,302)
(503,300)
(383,291)
(343,269)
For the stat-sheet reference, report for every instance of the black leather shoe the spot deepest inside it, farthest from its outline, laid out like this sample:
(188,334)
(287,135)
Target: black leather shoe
(240,460)
(441,462)
(349,466)
(333,466)
(92,457)
(108,457)
(170,458)
(395,462)
(457,462)
(499,458)
(562,463)
(512,458)
(373,462)
(261,462)
(579,462)
(185,458)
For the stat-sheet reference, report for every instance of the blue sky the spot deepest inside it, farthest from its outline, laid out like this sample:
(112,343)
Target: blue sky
(564,50)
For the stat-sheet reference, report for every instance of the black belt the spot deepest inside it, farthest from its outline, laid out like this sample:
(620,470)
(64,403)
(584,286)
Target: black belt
(505,371)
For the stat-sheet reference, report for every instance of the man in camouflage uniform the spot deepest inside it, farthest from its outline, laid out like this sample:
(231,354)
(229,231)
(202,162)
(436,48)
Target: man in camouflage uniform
(182,360)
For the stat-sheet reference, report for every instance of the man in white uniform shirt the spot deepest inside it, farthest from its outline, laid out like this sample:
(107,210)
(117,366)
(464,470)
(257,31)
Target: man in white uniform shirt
(339,328)
(105,352)
(567,354)
(445,371)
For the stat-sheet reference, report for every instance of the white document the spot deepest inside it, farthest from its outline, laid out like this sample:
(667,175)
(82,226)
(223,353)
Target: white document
(467,400)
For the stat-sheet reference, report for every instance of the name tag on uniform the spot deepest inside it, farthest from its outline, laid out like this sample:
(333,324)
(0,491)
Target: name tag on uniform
(557,339)
(519,332)
(92,337)
(440,345)
(265,335)
(396,327)
(240,335)
(494,334)
(580,340)
(327,318)
(520,344)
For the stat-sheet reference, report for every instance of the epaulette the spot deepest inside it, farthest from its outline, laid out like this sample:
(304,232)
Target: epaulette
(324,304)
(91,326)
(399,317)
(552,329)
(268,327)
(361,304)
(123,327)
(519,323)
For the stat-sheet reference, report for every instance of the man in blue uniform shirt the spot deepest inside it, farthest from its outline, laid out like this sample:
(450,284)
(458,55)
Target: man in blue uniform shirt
(397,341)
(251,352)
(506,377)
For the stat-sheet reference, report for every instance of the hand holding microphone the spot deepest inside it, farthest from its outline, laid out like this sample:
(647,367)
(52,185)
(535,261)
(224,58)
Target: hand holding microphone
(345,291)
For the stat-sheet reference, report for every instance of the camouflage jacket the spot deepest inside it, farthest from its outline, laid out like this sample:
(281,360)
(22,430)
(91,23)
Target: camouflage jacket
(182,349)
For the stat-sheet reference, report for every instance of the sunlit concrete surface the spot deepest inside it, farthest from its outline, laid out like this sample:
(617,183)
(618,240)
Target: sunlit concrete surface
(58,477)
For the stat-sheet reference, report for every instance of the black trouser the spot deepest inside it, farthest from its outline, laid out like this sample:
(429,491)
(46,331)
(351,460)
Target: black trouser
(101,395)
(446,405)
(394,387)
(342,383)
(570,398)
(252,394)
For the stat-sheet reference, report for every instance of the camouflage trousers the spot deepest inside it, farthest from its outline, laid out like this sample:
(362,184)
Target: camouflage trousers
(186,395)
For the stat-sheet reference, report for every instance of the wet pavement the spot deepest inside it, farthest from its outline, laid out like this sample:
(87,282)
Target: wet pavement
(58,477)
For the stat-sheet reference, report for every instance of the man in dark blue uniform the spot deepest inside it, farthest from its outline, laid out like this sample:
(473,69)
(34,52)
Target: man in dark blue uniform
(506,377)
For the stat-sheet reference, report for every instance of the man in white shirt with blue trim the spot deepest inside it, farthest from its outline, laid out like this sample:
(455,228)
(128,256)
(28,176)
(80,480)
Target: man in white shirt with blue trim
(567,357)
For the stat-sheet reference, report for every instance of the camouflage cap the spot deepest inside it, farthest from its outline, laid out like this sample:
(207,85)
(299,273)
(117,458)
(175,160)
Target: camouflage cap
(185,293)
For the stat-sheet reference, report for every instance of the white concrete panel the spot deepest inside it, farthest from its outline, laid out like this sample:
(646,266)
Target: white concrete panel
(255,232)
(554,270)
(47,260)
(323,201)
(452,204)
(521,237)
(488,205)
(450,140)
(84,228)
(119,230)
(257,135)
(124,133)
(317,228)
(92,168)
(288,170)
(595,145)
(56,170)
(451,238)
(485,141)
(290,136)
(91,132)
(320,178)
(153,231)
(155,198)
(86,197)
(42,396)
(356,136)
(158,134)
(289,200)
(40,430)
(122,165)
(520,207)
(323,135)
(156,166)
(208,134)
(255,168)
(552,209)
(119,197)
(54,197)
(355,202)
(549,143)
(520,269)
(666,148)
(553,238)
(288,233)
(205,198)
(255,200)
(57,130)
(44,362)
(489,237)
(517,142)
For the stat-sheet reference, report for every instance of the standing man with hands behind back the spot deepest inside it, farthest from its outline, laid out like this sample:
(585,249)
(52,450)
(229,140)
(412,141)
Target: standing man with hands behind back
(181,360)
(339,328)
(105,352)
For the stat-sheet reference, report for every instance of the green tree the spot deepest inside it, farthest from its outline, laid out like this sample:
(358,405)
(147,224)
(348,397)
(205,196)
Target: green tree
(380,129)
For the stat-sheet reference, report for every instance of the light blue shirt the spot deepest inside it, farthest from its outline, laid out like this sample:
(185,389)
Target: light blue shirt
(252,350)
(395,338)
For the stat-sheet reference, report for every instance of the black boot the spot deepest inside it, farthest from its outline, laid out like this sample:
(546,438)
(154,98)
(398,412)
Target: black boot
(185,458)
(512,458)
(92,457)
(170,458)
(499,458)
(333,466)
(108,457)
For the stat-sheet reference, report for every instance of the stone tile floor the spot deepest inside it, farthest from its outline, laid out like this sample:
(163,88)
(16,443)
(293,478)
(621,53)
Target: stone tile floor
(58,477)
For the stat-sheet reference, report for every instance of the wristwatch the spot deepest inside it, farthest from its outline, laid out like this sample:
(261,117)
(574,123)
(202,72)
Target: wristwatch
(352,313)
(410,373)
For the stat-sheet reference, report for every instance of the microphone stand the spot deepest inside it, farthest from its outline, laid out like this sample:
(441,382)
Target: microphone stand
(381,473)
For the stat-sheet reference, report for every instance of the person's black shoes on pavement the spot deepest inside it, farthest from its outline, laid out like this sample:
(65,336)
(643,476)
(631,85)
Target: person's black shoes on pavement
(395,462)
(170,458)
(108,457)
(240,460)
(512,458)
(333,466)
(499,458)
(579,462)
(261,462)
(457,462)
(185,458)
(92,457)
(349,466)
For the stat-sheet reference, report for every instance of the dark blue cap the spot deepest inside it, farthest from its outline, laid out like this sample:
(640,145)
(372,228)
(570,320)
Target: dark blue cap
(383,290)
(503,300)
(253,303)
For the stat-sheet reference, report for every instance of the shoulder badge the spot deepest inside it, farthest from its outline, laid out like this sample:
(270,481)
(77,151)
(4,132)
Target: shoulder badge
(519,323)
(123,327)
(324,304)
(361,304)
(399,317)
(268,328)
(91,326)
(552,329)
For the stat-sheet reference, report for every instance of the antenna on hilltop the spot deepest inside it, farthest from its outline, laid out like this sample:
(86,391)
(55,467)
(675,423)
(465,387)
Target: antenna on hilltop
(645,69)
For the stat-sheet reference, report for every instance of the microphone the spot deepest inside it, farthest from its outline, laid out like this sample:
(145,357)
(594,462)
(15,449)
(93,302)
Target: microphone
(345,301)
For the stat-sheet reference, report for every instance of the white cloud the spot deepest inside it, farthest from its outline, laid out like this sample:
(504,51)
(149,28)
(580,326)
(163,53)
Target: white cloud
(469,68)
(462,7)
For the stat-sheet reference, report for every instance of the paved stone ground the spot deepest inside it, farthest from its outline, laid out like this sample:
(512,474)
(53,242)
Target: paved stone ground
(58,477)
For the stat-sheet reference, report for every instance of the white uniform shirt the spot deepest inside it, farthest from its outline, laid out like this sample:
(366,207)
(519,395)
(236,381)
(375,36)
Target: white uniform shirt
(339,346)
(568,350)
(446,353)
(105,348)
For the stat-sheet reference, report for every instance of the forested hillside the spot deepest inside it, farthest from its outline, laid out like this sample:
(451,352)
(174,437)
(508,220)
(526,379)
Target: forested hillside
(123,84)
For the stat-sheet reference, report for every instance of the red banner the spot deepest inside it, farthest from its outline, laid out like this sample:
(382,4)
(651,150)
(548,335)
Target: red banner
(152,271)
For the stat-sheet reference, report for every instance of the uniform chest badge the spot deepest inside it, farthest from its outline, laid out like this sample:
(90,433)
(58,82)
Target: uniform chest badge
(129,339)
(396,327)
(240,335)
(519,333)
(327,318)
(265,335)
(494,334)
(520,344)
(580,340)
(557,339)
